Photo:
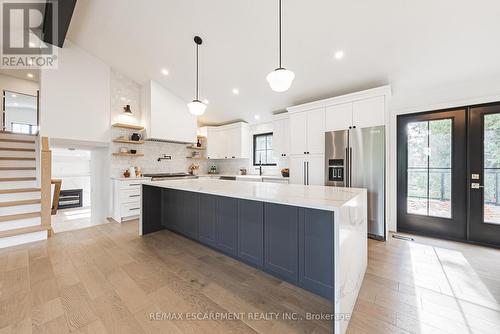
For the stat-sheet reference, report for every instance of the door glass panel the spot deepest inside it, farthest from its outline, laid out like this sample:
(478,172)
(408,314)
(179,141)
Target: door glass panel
(491,154)
(429,168)
(21,115)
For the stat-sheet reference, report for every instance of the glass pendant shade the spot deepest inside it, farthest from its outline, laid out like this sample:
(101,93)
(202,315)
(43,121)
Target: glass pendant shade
(280,79)
(197,107)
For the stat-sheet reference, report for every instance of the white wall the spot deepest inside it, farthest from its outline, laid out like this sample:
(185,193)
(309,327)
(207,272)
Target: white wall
(18,85)
(75,97)
(124,91)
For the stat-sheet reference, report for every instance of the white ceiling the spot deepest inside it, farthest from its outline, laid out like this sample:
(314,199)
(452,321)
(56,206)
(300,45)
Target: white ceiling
(405,43)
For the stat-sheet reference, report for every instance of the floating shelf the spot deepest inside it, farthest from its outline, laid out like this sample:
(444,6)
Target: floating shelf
(126,141)
(128,126)
(128,154)
(196,148)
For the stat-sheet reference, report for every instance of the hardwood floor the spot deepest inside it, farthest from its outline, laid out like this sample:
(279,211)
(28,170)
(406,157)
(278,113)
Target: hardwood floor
(106,279)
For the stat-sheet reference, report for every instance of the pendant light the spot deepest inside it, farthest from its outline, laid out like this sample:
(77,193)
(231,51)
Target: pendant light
(196,107)
(280,79)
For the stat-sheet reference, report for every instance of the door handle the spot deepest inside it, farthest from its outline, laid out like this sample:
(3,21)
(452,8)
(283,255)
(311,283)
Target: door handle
(308,173)
(304,173)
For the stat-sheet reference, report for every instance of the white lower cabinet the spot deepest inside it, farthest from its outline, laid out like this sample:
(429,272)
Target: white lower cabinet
(127,198)
(307,169)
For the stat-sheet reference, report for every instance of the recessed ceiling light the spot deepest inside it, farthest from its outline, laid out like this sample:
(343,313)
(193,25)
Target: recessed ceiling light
(257,117)
(206,101)
(236,91)
(31,44)
(339,55)
(30,75)
(164,71)
(16,104)
(14,95)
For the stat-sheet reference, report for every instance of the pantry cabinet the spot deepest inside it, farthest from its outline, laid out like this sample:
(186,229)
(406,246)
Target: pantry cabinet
(307,132)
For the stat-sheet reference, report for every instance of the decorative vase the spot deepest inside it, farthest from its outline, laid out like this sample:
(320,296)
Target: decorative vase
(135,137)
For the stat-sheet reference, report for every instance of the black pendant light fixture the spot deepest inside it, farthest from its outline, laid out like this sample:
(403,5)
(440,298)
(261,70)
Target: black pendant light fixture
(280,79)
(196,107)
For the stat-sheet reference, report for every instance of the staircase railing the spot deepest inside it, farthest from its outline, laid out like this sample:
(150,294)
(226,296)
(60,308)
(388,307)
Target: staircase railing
(46,184)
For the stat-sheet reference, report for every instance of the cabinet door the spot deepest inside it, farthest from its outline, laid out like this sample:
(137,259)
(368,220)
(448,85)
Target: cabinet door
(207,219)
(212,143)
(278,138)
(190,205)
(175,212)
(232,140)
(226,231)
(297,169)
(368,113)
(281,241)
(251,232)
(338,117)
(316,169)
(316,131)
(152,209)
(316,251)
(298,133)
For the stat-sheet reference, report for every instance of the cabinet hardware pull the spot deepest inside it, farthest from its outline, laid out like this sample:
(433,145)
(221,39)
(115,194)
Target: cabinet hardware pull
(134,195)
(134,184)
(134,209)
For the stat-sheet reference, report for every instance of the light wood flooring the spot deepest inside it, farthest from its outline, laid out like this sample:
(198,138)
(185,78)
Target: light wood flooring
(106,279)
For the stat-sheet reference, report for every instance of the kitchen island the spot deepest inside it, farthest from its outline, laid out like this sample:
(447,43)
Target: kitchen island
(314,237)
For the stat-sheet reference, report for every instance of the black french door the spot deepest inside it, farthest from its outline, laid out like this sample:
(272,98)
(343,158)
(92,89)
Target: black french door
(432,166)
(449,174)
(484,159)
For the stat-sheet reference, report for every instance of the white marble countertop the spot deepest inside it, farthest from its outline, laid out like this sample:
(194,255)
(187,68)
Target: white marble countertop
(131,178)
(247,176)
(314,197)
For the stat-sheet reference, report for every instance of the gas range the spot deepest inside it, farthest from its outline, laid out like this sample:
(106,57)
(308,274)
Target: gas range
(170,176)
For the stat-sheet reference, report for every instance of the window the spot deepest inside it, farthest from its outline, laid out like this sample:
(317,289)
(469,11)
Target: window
(263,150)
(28,129)
(429,168)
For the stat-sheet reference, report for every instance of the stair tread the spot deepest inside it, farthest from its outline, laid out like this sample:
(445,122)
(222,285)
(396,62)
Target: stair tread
(17,158)
(17,168)
(9,140)
(20,216)
(24,230)
(18,190)
(14,179)
(20,202)
(15,149)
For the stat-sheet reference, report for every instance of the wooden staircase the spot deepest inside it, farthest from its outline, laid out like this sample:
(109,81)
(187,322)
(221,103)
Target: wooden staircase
(23,207)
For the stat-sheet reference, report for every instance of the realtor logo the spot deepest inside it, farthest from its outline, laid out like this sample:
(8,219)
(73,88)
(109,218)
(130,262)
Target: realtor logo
(24,24)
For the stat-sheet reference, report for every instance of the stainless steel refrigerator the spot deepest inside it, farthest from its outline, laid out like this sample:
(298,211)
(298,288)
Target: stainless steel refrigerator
(356,158)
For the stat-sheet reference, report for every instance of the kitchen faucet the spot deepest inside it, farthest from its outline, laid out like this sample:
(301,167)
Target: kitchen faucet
(260,168)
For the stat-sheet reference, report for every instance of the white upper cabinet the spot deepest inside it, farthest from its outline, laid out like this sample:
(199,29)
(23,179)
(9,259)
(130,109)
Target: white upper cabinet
(338,117)
(369,112)
(307,132)
(281,135)
(228,141)
(166,116)
(298,133)
(316,131)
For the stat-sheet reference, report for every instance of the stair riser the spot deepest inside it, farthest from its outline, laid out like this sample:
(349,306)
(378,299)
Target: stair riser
(15,224)
(23,239)
(13,210)
(19,196)
(18,184)
(16,145)
(17,173)
(17,154)
(17,163)
(16,136)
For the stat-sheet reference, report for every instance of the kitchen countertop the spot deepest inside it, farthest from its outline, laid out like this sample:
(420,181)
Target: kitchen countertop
(131,178)
(314,197)
(247,176)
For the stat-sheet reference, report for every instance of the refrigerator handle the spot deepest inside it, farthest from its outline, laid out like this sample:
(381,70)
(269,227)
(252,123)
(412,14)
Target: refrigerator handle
(350,167)
(347,168)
